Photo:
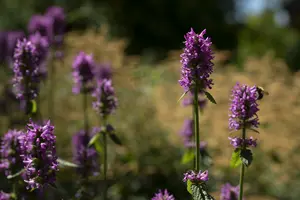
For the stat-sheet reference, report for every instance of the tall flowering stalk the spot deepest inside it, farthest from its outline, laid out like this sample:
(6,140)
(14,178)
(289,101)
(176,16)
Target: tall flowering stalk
(105,105)
(243,115)
(39,155)
(196,69)
(163,195)
(26,72)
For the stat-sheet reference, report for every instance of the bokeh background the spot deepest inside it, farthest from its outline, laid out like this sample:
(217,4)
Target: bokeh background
(255,42)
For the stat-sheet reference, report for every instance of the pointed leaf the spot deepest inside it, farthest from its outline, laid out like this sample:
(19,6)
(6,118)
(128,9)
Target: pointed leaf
(246,157)
(94,139)
(67,163)
(15,175)
(115,138)
(33,106)
(187,157)
(98,146)
(210,97)
(252,129)
(188,186)
(199,192)
(235,158)
(182,96)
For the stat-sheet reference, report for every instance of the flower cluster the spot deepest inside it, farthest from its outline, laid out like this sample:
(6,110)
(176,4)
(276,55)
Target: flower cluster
(41,24)
(196,61)
(103,71)
(237,142)
(106,102)
(42,46)
(163,195)
(5,196)
(83,75)
(243,107)
(39,155)
(10,151)
(84,156)
(196,177)
(26,71)
(12,39)
(229,192)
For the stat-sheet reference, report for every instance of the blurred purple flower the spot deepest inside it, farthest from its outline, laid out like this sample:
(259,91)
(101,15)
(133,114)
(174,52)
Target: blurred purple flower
(10,151)
(85,156)
(163,195)
(5,196)
(103,71)
(26,71)
(196,61)
(229,192)
(12,39)
(83,75)
(106,102)
(195,177)
(39,155)
(43,25)
(243,107)
(3,47)
(237,142)
(59,23)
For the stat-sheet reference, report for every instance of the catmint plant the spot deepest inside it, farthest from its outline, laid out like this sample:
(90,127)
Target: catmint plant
(229,192)
(163,195)
(243,116)
(39,155)
(41,24)
(105,104)
(12,39)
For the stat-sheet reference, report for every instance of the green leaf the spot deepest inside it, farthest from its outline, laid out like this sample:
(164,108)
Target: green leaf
(199,192)
(67,163)
(98,146)
(210,97)
(33,106)
(252,129)
(94,139)
(15,175)
(115,138)
(246,157)
(188,186)
(235,158)
(182,95)
(187,157)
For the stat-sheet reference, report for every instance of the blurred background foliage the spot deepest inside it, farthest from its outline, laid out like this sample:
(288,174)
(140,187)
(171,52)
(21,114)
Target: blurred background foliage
(142,40)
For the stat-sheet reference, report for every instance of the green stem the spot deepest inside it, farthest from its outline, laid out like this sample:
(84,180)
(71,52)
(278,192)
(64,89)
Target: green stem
(105,162)
(242,167)
(196,122)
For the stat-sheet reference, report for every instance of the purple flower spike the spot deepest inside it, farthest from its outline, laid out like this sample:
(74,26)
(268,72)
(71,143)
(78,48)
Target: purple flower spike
(237,142)
(42,45)
(43,25)
(59,23)
(196,177)
(26,72)
(3,47)
(5,196)
(244,107)
(106,102)
(163,195)
(12,40)
(229,192)
(196,61)
(10,151)
(103,71)
(39,155)
(83,75)
(85,156)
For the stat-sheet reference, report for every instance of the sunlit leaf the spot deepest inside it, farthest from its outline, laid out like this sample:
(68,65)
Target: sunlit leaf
(182,95)
(67,163)
(94,139)
(15,175)
(187,157)
(235,158)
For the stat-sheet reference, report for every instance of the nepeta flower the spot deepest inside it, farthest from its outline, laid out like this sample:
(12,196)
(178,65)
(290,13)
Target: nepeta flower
(196,177)
(10,151)
(39,155)
(244,107)
(85,156)
(83,75)
(103,71)
(42,46)
(229,192)
(163,195)
(106,102)
(5,196)
(12,38)
(26,72)
(41,24)
(196,61)
(59,22)
(237,142)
